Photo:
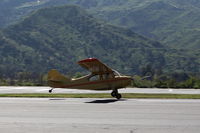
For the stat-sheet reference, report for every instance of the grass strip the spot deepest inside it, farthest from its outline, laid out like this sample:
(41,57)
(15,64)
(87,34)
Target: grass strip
(105,95)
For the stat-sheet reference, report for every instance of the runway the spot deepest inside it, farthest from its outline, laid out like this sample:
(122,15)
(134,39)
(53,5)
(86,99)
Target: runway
(36,115)
(32,89)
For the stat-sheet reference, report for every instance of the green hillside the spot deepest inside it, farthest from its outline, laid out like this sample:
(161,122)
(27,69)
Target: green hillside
(173,22)
(59,37)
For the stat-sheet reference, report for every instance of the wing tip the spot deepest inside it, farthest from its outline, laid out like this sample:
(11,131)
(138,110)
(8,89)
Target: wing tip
(88,60)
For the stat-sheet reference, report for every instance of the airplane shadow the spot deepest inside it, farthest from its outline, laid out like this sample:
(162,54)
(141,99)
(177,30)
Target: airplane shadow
(106,101)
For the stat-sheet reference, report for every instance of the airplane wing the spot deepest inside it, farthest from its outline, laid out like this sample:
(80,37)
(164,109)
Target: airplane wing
(95,66)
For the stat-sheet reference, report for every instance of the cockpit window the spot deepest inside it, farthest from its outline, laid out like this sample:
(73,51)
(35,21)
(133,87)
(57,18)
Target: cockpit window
(116,73)
(107,76)
(94,78)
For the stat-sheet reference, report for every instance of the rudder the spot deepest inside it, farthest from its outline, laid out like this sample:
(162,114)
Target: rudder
(54,75)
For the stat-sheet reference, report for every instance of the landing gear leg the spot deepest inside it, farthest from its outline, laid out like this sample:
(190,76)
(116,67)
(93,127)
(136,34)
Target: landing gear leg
(50,91)
(116,94)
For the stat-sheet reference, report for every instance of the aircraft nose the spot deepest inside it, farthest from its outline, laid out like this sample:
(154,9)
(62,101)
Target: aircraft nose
(130,79)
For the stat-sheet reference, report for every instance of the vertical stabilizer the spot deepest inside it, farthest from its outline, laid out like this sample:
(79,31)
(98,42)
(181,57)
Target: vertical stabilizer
(55,76)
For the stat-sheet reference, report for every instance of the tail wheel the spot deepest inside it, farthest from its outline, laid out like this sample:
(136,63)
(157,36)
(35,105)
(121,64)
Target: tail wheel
(50,91)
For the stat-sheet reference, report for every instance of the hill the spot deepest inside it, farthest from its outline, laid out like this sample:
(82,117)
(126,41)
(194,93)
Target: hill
(175,26)
(175,23)
(60,36)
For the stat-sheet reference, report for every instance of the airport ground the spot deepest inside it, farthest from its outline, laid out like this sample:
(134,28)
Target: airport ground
(97,115)
(58,115)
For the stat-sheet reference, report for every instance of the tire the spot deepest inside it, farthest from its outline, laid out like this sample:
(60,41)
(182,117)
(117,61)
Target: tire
(113,94)
(118,96)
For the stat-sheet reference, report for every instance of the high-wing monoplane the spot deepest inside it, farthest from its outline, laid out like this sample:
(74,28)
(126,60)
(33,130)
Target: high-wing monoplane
(101,78)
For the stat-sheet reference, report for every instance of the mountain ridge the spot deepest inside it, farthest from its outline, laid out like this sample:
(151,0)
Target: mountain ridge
(56,38)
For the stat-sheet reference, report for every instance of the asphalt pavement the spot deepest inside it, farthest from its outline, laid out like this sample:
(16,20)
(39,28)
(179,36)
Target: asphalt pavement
(52,115)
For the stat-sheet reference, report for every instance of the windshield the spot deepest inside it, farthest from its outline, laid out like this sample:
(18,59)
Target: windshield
(116,73)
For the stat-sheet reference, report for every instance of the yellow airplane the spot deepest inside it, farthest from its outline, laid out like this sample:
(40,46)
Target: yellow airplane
(101,78)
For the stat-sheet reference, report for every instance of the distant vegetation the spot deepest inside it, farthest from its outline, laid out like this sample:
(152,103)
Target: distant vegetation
(173,22)
(50,39)
(176,80)
(58,37)
(24,79)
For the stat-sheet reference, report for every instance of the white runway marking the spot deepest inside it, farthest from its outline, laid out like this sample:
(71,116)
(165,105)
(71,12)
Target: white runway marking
(127,90)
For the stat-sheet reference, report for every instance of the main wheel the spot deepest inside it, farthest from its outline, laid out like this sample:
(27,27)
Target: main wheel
(118,96)
(113,94)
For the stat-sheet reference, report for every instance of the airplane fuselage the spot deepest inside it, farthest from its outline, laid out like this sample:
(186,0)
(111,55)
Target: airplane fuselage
(87,83)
